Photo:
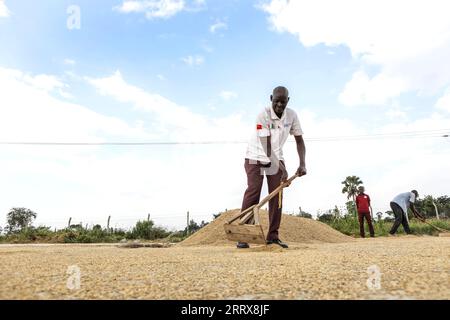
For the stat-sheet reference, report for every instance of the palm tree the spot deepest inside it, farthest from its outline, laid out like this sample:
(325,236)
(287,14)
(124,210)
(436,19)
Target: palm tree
(351,184)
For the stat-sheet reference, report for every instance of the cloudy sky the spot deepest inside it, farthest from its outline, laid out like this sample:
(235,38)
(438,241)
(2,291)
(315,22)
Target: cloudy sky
(370,81)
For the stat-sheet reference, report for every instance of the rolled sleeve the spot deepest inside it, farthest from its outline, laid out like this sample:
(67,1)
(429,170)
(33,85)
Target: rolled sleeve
(412,197)
(296,128)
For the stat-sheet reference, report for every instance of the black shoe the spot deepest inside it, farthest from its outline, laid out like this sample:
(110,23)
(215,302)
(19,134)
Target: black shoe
(278,242)
(242,245)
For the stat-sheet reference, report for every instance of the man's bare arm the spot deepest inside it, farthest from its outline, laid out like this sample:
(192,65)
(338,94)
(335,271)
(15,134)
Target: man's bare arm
(301,150)
(415,212)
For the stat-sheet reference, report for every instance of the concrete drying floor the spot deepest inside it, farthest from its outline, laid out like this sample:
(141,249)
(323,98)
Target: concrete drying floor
(410,268)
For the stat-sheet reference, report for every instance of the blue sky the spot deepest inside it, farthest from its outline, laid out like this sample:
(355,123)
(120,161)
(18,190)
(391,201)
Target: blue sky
(144,49)
(203,72)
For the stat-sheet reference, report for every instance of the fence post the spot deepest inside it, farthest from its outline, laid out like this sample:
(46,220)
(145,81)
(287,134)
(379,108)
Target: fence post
(70,220)
(187,226)
(435,209)
(107,225)
(148,217)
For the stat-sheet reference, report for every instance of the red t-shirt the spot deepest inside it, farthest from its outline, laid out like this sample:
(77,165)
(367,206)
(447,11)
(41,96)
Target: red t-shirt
(363,203)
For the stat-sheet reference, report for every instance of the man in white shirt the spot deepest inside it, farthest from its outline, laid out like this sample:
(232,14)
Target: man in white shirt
(265,157)
(399,206)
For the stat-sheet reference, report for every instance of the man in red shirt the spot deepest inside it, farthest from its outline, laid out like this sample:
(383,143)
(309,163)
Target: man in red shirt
(364,210)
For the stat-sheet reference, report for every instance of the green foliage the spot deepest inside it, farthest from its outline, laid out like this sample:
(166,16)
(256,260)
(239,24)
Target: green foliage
(325,217)
(194,227)
(427,203)
(146,230)
(19,219)
(20,230)
(177,236)
(305,215)
(351,184)
(350,226)
(351,209)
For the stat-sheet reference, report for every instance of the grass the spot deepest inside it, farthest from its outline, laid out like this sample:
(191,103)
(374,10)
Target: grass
(350,226)
(144,230)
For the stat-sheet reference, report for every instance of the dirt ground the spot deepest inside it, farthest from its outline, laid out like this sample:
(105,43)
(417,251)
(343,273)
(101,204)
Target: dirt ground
(410,268)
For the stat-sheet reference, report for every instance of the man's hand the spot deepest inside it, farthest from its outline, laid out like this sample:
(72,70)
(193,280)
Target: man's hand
(419,216)
(301,171)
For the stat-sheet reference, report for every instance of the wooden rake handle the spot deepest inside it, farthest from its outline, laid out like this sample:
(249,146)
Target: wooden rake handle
(433,226)
(247,213)
(276,191)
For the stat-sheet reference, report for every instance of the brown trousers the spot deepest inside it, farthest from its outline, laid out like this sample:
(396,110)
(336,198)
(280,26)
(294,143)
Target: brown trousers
(255,177)
(361,216)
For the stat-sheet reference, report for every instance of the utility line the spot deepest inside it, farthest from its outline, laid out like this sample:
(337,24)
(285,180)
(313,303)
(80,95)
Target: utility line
(439,133)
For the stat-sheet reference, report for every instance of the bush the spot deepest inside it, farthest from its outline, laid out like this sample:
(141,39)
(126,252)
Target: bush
(146,230)
(177,236)
(350,226)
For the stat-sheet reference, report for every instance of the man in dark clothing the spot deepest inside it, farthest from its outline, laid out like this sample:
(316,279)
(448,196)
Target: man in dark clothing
(399,206)
(364,211)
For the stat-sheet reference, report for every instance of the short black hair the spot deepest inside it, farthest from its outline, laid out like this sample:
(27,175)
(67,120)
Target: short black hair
(415,192)
(282,89)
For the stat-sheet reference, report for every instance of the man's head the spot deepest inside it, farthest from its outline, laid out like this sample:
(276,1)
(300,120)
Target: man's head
(361,189)
(280,99)
(416,193)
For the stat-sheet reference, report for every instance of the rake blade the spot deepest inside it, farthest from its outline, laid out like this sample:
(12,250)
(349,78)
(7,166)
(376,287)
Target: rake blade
(245,233)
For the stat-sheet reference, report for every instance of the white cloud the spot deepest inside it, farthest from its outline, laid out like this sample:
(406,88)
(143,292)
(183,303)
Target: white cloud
(217,26)
(159,8)
(409,41)
(362,89)
(4,11)
(47,83)
(173,121)
(161,77)
(193,60)
(444,102)
(228,95)
(27,100)
(384,162)
(90,183)
(152,8)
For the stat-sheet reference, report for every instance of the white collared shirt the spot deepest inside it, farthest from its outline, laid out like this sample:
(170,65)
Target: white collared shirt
(403,200)
(268,124)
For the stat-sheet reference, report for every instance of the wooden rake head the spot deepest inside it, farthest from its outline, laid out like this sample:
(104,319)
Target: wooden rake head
(248,228)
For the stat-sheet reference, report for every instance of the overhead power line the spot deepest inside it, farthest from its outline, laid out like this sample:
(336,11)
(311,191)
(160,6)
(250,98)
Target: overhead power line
(438,133)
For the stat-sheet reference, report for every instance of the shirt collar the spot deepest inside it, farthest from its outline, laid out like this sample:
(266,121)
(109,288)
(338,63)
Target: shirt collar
(274,116)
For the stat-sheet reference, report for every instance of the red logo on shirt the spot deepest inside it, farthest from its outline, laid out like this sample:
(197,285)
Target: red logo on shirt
(258,126)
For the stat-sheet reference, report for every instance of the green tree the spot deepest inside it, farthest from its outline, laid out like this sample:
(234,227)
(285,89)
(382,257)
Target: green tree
(325,217)
(194,226)
(390,216)
(147,230)
(18,219)
(336,212)
(379,215)
(304,214)
(443,203)
(351,184)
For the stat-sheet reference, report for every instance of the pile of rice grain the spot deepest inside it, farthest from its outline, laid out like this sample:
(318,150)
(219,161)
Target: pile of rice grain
(292,229)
